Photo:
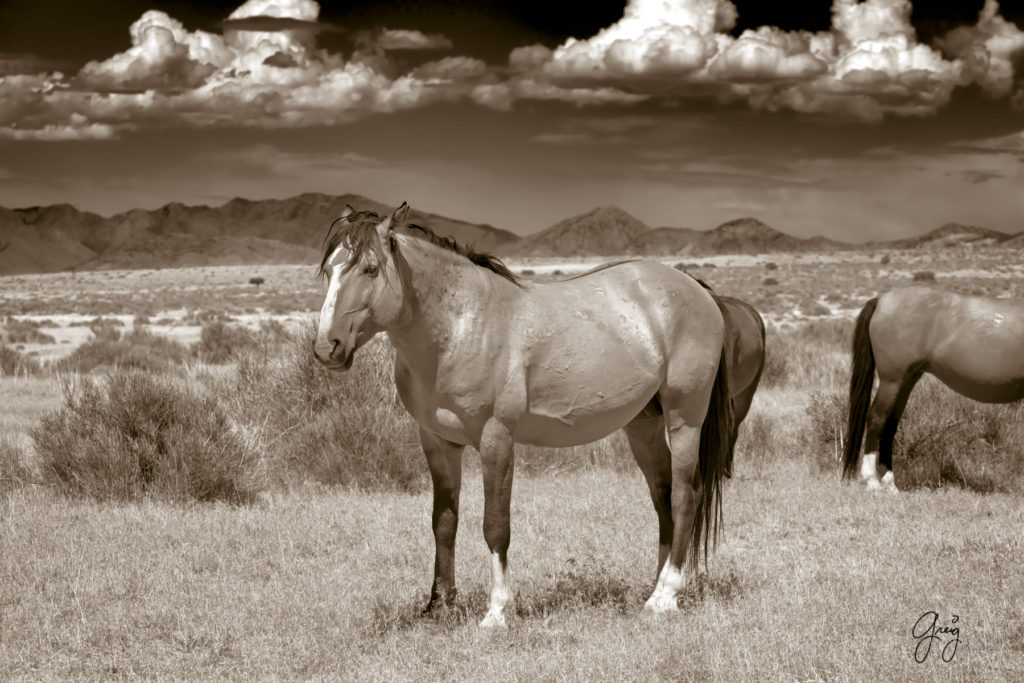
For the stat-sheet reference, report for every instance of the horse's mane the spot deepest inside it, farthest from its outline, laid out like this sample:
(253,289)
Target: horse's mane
(358,232)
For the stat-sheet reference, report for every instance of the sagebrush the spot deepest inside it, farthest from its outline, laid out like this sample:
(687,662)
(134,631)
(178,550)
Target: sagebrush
(130,435)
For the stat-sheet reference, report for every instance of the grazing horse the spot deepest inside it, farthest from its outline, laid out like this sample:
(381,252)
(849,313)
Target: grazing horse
(484,360)
(744,343)
(973,344)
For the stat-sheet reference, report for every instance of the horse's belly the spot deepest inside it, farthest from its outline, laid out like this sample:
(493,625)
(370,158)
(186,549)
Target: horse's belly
(982,383)
(565,422)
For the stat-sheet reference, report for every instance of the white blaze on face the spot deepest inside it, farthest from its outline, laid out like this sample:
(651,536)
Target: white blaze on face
(330,300)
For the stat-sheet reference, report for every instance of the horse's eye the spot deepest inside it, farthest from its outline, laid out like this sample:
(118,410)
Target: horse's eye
(370,269)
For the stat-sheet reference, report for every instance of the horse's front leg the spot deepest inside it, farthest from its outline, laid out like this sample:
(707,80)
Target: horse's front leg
(497,459)
(445,461)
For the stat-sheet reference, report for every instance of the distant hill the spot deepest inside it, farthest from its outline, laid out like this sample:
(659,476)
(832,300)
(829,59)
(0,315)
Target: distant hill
(952,235)
(59,237)
(610,231)
(243,231)
(741,236)
(605,231)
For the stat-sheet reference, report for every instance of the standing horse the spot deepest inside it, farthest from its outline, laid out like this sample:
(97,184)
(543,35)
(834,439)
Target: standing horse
(744,350)
(973,344)
(484,360)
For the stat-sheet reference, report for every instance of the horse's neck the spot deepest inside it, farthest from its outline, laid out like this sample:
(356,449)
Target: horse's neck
(447,301)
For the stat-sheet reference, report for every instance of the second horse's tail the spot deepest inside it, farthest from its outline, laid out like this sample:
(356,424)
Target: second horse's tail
(862,376)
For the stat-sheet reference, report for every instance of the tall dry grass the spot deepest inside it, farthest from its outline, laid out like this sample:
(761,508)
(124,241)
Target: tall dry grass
(13,363)
(314,425)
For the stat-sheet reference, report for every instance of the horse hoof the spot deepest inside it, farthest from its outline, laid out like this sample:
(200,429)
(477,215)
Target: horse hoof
(889,483)
(660,604)
(873,484)
(494,620)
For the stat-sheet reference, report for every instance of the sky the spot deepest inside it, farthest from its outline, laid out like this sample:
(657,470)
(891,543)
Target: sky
(854,120)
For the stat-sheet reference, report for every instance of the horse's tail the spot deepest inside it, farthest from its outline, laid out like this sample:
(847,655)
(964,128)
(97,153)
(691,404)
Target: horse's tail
(715,456)
(862,376)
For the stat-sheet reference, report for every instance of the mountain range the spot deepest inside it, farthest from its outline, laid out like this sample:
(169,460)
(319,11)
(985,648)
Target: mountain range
(242,231)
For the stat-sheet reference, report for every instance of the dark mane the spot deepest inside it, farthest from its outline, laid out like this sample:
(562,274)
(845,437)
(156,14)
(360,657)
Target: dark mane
(487,261)
(358,232)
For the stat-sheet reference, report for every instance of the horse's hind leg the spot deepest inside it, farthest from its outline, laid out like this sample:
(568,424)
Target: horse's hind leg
(683,418)
(445,461)
(888,432)
(883,420)
(646,434)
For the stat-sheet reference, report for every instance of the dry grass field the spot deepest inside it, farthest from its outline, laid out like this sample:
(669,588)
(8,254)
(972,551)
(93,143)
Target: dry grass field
(321,568)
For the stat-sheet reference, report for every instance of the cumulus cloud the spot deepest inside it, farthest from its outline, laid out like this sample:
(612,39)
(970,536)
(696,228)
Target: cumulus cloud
(988,51)
(163,55)
(397,39)
(867,66)
(265,69)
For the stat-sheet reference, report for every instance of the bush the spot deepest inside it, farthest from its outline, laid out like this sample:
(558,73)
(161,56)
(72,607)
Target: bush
(219,342)
(943,438)
(135,435)
(771,265)
(322,426)
(924,276)
(13,363)
(25,332)
(886,260)
(136,350)
(814,308)
(808,354)
(769,282)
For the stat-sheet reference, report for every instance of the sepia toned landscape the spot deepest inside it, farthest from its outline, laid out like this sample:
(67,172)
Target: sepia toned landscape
(282,527)
(191,489)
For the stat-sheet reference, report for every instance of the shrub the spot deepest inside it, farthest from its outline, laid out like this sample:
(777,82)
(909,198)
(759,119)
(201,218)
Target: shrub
(924,276)
(13,363)
(527,271)
(808,354)
(771,265)
(327,427)
(769,282)
(138,350)
(943,438)
(25,332)
(135,435)
(814,308)
(256,281)
(886,260)
(219,342)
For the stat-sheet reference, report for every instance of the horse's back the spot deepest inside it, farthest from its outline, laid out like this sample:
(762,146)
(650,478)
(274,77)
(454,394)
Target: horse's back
(974,344)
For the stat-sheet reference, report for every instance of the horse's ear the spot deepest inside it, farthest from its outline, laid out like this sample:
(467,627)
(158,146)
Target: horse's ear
(348,210)
(397,218)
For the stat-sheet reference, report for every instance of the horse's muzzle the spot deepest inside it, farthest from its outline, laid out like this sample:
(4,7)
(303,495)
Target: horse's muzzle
(333,355)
